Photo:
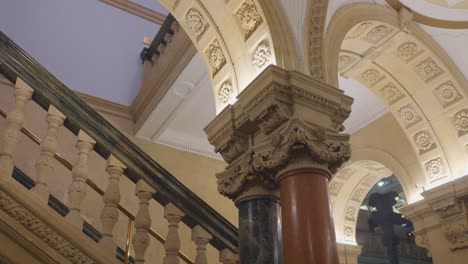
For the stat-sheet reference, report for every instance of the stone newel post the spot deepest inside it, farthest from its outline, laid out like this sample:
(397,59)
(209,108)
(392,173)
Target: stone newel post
(282,139)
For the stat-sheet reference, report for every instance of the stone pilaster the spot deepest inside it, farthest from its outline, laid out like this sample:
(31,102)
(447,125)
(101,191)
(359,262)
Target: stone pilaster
(441,221)
(284,122)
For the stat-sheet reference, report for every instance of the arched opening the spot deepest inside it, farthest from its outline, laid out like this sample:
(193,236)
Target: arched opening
(351,190)
(416,81)
(236,40)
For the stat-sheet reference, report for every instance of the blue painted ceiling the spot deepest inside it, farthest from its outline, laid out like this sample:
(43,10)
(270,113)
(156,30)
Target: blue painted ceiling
(90,46)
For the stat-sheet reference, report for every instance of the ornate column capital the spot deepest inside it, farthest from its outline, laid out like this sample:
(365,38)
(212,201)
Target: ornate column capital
(284,120)
(444,209)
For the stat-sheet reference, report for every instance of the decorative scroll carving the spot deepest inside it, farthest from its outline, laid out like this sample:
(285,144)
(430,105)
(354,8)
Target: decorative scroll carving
(42,230)
(391,93)
(428,70)
(435,169)
(408,116)
(225,92)
(215,56)
(261,56)
(460,120)
(457,235)
(378,34)
(358,30)
(447,94)
(424,141)
(196,22)
(372,76)
(248,18)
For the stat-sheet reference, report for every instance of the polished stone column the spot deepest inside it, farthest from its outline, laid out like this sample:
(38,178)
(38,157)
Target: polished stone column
(260,230)
(283,135)
(309,234)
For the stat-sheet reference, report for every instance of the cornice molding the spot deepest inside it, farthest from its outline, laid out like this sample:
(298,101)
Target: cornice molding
(429,21)
(160,76)
(107,107)
(137,10)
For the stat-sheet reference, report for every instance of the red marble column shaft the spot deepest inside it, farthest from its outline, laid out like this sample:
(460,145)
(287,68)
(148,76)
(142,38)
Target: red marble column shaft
(308,231)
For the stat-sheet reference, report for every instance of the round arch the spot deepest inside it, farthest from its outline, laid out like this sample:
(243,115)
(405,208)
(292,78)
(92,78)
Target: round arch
(352,183)
(418,82)
(237,39)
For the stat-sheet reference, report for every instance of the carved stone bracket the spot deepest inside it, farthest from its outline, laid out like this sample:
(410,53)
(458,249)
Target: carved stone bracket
(283,120)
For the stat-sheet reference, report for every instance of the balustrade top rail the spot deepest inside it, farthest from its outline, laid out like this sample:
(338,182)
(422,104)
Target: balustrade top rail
(15,62)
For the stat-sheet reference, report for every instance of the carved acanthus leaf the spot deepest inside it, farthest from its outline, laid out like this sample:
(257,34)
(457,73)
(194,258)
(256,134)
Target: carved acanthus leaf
(457,235)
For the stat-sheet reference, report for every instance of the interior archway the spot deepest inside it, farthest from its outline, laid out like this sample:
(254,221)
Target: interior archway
(416,80)
(237,39)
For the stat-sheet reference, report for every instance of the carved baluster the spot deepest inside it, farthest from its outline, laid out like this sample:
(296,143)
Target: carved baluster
(15,121)
(227,257)
(48,148)
(110,213)
(201,239)
(142,221)
(77,190)
(172,244)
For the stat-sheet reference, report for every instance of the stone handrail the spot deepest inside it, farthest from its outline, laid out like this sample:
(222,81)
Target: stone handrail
(96,133)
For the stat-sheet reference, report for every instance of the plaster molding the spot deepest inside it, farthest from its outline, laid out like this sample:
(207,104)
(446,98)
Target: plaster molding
(107,107)
(137,10)
(159,78)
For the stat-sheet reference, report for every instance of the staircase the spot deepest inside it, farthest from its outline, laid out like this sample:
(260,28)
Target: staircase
(74,189)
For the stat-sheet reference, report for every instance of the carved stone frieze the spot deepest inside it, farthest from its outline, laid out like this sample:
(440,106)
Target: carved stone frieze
(408,51)
(377,34)
(391,93)
(345,173)
(408,116)
(344,61)
(351,212)
(349,233)
(225,92)
(460,119)
(428,69)
(358,195)
(457,235)
(435,169)
(447,94)
(196,22)
(249,18)
(261,56)
(40,229)
(335,187)
(450,210)
(372,77)
(316,14)
(215,56)
(424,141)
(358,30)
